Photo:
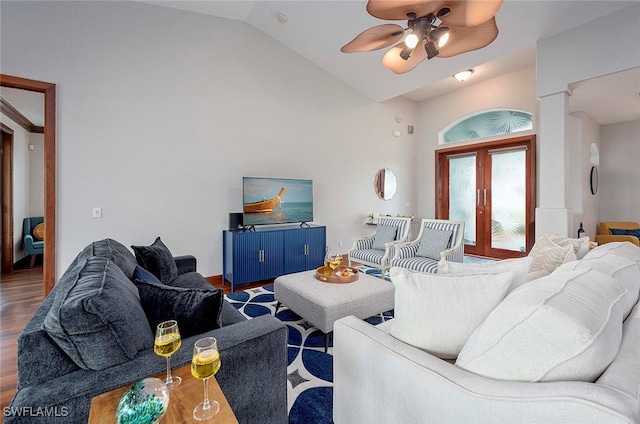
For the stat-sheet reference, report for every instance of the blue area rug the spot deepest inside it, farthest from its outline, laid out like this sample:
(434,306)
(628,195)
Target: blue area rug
(309,370)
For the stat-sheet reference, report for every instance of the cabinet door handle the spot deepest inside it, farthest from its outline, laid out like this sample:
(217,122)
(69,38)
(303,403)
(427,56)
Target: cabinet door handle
(478,198)
(306,249)
(261,255)
(485,197)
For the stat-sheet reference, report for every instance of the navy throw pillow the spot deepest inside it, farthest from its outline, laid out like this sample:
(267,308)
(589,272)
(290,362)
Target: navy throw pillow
(141,274)
(158,260)
(196,310)
(621,232)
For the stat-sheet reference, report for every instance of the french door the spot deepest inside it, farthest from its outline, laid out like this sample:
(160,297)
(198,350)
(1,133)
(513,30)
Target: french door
(491,188)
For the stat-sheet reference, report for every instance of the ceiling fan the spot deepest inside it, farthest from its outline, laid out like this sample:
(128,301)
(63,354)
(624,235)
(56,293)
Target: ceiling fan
(441,28)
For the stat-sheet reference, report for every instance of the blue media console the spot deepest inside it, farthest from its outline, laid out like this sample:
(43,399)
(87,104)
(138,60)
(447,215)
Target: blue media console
(269,252)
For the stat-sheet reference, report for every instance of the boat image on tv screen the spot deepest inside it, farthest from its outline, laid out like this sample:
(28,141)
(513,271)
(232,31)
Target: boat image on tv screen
(276,200)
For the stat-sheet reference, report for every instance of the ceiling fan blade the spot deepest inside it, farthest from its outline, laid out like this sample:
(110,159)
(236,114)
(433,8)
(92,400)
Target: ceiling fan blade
(465,39)
(470,12)
(374,38)
(398,65)
(397,9)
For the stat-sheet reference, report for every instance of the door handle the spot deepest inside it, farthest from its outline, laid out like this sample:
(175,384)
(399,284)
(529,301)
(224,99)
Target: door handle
(485,197)
(478,198)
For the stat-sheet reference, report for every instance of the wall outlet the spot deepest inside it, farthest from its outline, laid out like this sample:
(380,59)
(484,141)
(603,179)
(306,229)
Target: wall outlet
(97,212)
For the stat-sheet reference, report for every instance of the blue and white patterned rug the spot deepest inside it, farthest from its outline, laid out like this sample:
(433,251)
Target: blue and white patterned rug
(309,370)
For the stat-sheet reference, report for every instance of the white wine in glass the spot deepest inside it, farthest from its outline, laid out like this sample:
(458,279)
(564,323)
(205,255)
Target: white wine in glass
(205,363)
(166,343)
(335,261)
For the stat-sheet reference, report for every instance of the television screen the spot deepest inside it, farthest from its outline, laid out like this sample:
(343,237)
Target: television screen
(276,200)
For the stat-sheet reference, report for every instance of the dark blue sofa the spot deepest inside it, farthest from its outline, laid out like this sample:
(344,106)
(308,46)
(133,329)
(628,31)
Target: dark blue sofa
(253,353)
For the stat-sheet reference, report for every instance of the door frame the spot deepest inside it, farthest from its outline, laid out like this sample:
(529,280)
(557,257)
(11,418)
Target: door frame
(442,174)
(49,91)
(7,199)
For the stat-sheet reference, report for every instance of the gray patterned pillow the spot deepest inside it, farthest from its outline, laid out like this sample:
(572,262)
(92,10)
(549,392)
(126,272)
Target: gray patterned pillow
(433,242)
(384,234)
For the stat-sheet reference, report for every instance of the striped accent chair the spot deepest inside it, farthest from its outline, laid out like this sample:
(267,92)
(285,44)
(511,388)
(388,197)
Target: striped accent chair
(364,253)
(405,253)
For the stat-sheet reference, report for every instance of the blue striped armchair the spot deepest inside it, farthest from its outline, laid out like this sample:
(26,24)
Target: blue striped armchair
(406,255)
(364,251)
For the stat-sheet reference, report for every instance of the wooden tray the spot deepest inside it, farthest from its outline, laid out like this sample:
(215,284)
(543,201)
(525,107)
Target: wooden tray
(337,279)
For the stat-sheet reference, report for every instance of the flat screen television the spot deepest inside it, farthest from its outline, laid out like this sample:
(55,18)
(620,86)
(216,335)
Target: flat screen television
(276,201)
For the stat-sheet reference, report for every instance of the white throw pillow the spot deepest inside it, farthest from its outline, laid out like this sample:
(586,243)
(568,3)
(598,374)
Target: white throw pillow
(548,256)
(519,266)
(580,245)
(534,275)
(622,269)
(566,326)
(437,313)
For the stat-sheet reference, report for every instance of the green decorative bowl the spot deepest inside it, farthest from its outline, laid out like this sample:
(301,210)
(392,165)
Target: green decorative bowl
(144,402)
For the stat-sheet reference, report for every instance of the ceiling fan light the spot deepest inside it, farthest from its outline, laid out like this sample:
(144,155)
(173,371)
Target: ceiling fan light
(431,49)
(406,53)
(444,37)
(411,40)
(462,76)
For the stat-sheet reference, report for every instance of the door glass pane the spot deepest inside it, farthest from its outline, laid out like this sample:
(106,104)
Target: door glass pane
(508,200)
(462,195)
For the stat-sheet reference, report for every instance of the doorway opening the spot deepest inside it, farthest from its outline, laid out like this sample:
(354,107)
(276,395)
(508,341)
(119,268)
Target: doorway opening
(7,199)
(49,91)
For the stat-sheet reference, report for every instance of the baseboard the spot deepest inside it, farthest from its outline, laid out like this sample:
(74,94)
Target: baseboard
(215,280)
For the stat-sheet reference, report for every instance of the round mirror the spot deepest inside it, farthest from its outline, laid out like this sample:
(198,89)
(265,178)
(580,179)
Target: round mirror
(594,180)
(385,184)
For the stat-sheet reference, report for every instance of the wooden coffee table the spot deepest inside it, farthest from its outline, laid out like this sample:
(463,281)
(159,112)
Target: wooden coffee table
(181,403)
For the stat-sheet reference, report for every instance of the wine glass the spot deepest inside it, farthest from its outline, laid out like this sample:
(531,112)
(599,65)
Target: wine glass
(205,363)
(167,342)
(335,262)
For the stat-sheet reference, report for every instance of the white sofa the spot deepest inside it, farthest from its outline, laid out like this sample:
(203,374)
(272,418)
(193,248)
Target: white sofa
(380,379)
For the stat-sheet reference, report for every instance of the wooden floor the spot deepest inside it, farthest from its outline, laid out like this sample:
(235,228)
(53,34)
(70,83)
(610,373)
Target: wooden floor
(20,296)
(21,293)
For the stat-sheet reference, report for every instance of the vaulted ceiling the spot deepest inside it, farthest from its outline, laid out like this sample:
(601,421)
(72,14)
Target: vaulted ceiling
(316,29)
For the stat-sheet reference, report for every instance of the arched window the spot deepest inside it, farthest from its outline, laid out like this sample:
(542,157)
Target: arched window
(486,123)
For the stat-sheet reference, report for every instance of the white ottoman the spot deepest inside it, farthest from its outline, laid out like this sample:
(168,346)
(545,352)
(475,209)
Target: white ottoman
(321,304)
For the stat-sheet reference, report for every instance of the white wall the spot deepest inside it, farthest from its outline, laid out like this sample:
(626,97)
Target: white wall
(20,183)
(579,54)
(36,175)
(620,172)
(161,112)
(588,51)
(515,90)
(586,206)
